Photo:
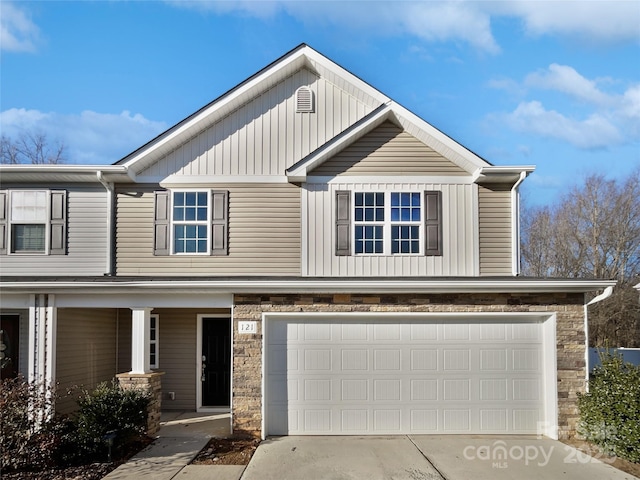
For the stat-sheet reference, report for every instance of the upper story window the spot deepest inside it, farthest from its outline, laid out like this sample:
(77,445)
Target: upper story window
(193,222)
(33,222)
(190,218)
(389,223)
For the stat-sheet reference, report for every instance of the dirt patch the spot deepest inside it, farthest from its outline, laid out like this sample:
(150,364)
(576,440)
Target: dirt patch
(596,452)
(227,451)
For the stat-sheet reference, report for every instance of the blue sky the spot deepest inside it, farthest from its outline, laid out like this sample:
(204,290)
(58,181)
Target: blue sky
(549,83)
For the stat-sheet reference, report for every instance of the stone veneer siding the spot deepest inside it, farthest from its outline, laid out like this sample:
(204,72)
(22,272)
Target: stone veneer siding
(570,336)
(150,383)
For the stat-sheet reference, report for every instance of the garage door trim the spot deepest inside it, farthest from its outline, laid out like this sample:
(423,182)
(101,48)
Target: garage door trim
(548,427)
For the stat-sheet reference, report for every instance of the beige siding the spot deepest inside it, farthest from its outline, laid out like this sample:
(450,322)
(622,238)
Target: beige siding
(87,238)
(264,234)
(388,151)
(86,350)
(266,135)
(459,235)
(494,209)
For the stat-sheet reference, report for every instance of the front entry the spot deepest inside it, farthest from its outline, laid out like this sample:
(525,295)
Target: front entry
(216,362)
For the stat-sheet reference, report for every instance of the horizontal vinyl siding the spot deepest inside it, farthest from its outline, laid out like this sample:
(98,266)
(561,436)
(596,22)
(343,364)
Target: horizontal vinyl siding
(85,351)
(494,208)
(264,234)
(87,238)
(459,233)
(388,151)
(266,135)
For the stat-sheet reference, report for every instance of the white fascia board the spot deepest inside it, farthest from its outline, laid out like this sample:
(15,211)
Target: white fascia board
(314,56)
(435,179)
(336,144)
(185,180)
(198,117)
(363,285)
(439,141)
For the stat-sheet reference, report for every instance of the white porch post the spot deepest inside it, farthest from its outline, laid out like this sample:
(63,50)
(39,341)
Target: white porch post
(140,323)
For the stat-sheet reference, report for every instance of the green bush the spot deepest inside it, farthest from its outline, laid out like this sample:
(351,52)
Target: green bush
(31,438)
(610,411)
(108,408)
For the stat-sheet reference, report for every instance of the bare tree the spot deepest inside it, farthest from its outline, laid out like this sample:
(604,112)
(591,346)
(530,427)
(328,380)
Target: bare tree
(31,147)
(593,232)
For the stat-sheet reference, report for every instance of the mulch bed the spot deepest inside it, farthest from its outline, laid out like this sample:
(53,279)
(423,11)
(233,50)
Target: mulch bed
(596,452)
(227,451)
(91,471)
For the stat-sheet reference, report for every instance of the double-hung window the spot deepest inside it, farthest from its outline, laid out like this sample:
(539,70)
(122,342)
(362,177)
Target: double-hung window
(33,222)
(190,212)
(388,223)
(191,222)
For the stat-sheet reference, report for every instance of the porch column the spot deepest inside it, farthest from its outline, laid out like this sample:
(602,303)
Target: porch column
(140,324)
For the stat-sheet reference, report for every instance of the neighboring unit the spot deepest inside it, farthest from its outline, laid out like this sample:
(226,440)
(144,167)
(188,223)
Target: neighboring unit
(303,252)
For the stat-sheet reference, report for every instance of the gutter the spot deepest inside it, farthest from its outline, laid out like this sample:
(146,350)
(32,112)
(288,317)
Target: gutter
(515,225)
(603,296)
(302,285)
(108,186)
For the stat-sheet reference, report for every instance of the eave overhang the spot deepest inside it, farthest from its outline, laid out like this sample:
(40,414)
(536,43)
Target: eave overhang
(244,285)
(62,173)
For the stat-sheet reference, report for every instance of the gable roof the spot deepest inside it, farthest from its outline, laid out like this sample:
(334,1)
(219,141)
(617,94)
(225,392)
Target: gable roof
(302,56)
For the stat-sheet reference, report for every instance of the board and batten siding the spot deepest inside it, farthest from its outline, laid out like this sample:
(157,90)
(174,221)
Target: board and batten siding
(85,350)
(388,150)
(87,237)
(264,234)
(494,210)
(266,135)
(459,207)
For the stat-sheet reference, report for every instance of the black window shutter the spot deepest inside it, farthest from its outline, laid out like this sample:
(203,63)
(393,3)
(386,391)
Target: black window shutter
(433,223)
(3,223)
(161,223)
(58,223)
(219,222)
(343,222)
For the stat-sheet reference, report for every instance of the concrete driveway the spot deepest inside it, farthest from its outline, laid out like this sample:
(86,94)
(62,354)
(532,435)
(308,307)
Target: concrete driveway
(423,457)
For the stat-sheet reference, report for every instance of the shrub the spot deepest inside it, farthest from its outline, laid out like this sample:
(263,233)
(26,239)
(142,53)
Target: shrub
(609,412)
(108,408)
(26,428)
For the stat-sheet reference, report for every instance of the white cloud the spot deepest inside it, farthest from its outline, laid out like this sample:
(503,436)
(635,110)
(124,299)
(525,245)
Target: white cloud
(594,20)
(90,137)
(567,80)
(17,32)
(593,132)
(462,21)
(611,118)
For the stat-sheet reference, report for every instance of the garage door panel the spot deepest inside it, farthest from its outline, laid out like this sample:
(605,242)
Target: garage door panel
(381,377)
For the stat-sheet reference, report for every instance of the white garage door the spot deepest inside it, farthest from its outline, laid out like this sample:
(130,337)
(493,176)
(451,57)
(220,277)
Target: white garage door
(379,376)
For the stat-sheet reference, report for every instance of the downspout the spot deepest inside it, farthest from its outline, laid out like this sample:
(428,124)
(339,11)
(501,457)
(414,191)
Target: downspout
(515,226)
(109,188)
(603,296)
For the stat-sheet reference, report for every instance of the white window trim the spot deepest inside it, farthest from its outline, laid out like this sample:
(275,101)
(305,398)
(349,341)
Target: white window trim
(155,365)
(386,230)
(10,223)
(172,223)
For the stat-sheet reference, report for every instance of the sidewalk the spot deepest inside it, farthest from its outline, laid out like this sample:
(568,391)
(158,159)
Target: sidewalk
(182,435)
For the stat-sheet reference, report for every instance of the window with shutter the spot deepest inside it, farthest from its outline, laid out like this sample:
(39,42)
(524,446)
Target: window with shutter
(191,222)
(389,223)
(33,222)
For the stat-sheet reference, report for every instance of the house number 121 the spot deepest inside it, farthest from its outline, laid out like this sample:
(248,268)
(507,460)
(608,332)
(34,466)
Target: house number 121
(247,327)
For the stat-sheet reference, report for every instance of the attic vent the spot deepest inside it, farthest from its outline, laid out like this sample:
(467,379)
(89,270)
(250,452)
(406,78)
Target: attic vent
(304,100)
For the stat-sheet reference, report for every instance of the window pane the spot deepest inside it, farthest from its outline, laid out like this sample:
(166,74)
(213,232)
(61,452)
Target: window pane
(395,199)
(380,199)
(28,238)
(359,215)
(415,199)
(202,214)
(29,206)
(368,215)
(379,214)
(359,199)
(395,214)
(415,214)
(190,199)
(369,199)
(178,199)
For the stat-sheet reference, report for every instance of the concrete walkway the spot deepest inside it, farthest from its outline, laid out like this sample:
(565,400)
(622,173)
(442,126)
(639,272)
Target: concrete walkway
(182,435)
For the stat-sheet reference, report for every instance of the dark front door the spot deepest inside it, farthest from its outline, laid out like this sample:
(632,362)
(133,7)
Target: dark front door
(9,335)
(216,362)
